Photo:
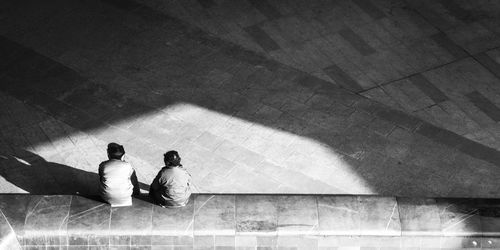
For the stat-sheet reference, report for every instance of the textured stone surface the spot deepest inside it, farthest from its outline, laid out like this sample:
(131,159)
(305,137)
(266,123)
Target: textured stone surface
(419,216)
(320,221)
(339,215)
(262,216)
(214,213)
(174,221)
(137,218)
(47,215)
(459,216)
(297,215)
(88,216)
(8,238)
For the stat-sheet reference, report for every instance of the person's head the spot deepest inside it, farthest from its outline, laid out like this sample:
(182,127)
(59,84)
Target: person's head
(115,151)
(172,158)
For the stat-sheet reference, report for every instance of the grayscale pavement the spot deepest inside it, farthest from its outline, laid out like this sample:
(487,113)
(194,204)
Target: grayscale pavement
(342,97)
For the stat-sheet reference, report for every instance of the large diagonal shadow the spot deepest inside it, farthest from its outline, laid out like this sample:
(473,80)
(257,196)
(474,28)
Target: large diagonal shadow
(113,81)
(34,174)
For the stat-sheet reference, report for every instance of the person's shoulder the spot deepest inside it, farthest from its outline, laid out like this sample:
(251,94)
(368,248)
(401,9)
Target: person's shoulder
(165,169)
(126,164)
(164,172)
(103,163)
(180,169)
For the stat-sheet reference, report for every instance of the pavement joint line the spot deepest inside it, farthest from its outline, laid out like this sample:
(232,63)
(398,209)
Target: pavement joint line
(414,74)
(436,27)
(495,74)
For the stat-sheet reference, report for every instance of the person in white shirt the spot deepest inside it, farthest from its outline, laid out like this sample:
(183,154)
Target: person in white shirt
(118,180)
(172,185)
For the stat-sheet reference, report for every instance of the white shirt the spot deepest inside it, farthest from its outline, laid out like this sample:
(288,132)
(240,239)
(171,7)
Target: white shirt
(115,184)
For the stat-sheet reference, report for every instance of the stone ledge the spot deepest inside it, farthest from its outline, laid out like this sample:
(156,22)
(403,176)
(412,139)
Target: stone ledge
(77,220)
(206,214)
(7,236)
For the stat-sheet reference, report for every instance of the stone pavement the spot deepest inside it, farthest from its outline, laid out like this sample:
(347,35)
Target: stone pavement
(76,75)
(437,60)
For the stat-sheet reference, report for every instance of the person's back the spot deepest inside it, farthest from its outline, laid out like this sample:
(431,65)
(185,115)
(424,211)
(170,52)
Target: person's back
(117,178)
(171,187)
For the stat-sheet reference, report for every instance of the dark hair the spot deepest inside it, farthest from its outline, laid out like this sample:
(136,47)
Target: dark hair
(172,158)
(115,151)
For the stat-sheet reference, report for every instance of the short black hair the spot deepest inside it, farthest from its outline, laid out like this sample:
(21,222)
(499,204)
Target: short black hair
(172,158)
(115,151)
